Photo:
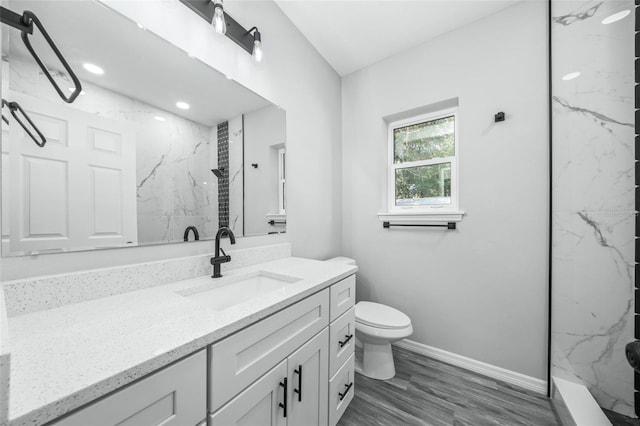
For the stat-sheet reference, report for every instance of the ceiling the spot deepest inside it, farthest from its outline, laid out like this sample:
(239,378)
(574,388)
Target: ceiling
(353,34)
(137,63)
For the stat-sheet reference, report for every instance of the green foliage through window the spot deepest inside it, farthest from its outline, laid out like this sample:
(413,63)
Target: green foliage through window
(424,141)
(423,185)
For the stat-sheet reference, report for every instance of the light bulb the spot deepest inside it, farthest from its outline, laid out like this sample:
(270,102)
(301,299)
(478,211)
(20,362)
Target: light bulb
(571,76)
(257,51)
(94,69)
(616,17)
(218,22)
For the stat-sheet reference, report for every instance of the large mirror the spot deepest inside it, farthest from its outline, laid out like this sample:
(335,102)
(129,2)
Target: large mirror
(159,147)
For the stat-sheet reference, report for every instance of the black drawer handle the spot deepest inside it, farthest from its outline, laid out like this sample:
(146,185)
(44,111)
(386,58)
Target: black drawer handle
(346,391)
(299,390)
(284,406)
(348,337)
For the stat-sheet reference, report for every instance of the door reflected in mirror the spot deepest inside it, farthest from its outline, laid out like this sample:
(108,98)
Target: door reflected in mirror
(151,149)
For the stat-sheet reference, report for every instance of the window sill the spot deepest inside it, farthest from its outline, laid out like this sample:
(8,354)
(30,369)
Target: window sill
(276,216)
(422,218)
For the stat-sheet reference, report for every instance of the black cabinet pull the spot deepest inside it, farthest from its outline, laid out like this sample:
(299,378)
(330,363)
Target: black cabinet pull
(299,390)
(348,337)
(346,391)
(284,406)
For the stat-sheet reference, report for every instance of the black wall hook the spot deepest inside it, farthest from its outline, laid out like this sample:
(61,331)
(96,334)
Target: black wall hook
(14,108)
(499,117)
(25,24)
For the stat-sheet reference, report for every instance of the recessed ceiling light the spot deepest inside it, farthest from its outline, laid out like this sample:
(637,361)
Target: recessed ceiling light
(571,76)
(71,89)
(183,105)
(93,68)
(616,17)
(157,117)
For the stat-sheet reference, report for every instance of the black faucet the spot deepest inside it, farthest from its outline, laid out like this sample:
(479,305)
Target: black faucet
(195,233)
(218,260)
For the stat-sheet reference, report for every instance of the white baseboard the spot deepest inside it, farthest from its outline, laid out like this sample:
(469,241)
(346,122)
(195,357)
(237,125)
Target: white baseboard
(508,376)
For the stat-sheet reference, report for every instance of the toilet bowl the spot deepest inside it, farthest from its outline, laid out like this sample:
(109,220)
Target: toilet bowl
(377,326)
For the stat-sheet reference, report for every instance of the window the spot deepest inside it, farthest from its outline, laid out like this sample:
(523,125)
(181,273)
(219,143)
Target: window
(282,180)
(423,166)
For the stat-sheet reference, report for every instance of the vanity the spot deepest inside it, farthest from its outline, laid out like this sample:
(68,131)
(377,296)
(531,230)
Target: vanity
(192,354)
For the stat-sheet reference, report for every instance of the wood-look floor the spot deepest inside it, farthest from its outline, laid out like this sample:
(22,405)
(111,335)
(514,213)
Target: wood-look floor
(620,420)
(428,392)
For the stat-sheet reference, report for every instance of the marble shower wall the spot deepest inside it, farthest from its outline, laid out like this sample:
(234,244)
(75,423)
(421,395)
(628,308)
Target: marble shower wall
(593,198)
(175,186)
(236,176)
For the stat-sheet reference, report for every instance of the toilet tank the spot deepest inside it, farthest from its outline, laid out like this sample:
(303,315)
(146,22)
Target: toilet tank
(343,260)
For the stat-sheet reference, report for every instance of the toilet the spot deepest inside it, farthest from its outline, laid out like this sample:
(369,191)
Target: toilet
(377,326)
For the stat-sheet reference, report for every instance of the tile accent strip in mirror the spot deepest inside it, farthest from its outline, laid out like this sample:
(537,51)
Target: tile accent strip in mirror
(223,182)
(52,291)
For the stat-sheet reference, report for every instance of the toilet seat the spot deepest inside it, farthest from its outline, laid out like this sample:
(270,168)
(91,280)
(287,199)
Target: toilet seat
(376,315)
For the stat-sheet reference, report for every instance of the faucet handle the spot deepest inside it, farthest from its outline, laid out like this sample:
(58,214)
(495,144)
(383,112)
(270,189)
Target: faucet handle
(223,253)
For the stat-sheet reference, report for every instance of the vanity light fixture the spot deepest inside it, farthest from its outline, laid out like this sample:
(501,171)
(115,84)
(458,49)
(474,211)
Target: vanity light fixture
(257,44)
(218,22)
(212,11)
(93,69)
(183,105)
(616,17)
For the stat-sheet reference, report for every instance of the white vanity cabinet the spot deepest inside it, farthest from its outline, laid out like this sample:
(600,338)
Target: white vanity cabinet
(240,359)
(173,396)
(267,375)
(294,392)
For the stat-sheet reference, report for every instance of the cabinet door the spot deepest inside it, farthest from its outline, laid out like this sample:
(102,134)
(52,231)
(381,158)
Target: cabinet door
(174,396)
(308,379)
(259,404)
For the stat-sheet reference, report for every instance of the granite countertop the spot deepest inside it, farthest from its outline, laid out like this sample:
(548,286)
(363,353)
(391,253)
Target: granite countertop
(63,358)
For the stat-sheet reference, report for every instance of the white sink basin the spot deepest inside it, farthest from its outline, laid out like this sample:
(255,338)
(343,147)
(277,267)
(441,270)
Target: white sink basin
(232,291)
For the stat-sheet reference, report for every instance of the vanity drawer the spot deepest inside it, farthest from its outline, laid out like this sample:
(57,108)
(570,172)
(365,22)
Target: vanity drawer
(342,337)
(343,296)
(341,390)
(174,396)
(240,359)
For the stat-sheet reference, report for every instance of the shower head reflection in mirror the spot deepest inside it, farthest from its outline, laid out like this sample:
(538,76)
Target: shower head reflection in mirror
(112,174)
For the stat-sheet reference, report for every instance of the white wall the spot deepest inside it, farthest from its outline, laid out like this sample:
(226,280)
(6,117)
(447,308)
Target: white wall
(479,291)
(294,76)
(263,131)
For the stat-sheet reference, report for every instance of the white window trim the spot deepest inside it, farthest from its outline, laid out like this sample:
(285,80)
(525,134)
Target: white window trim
(281,181)
(423,214)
